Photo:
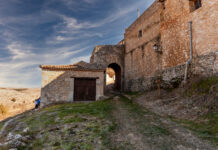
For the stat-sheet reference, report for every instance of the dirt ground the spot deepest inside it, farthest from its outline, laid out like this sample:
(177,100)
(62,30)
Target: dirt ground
(116,123)
(15,101)
(140,129)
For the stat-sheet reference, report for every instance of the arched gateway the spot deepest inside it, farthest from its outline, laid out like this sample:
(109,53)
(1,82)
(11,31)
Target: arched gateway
(110,56)
(117,76)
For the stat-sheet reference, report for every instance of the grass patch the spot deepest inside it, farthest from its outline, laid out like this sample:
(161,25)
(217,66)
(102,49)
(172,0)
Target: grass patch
(3,109)
(207,129)
(134,107)
(1,125)
(99,108)
(20,90)
(156,131)
(202,87)
(147,128)
(133,94)
(84,122)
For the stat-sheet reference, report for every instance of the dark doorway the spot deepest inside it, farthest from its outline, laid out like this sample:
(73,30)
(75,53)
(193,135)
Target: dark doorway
(84,89)
(117,76)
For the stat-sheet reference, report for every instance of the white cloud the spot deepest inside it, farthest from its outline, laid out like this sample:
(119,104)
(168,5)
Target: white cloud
(70,3)
(17,53)
(85,58)
(72,23)
(90,1)
(22,68)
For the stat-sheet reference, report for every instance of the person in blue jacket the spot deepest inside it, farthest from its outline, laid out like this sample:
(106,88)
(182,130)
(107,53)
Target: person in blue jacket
(37,103)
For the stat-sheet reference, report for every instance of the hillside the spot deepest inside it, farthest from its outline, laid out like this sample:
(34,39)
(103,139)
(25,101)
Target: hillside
(181,119)
(116,123)
(14,101)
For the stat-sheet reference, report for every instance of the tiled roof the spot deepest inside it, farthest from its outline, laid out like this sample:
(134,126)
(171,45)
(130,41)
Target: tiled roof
(80,66)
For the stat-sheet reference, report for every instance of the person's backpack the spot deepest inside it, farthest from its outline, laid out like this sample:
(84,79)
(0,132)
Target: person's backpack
(38,101)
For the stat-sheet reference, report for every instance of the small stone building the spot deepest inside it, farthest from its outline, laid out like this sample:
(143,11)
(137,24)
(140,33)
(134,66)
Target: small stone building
(69,83)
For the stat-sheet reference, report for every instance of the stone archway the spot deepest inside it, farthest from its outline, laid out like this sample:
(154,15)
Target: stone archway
(118,76)
(111,56)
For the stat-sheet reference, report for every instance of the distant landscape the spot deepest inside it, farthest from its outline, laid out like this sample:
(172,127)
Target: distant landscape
(15,101)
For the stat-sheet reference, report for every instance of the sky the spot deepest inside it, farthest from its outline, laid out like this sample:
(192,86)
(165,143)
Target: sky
(35,32)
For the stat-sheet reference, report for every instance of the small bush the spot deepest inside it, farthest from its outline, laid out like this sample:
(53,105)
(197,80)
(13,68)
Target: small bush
(3,109)
(202,86)
(20,90)
(13,99)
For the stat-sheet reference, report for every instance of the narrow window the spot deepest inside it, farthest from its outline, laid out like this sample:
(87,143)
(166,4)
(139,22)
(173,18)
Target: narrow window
(143,53)
(197,4)
(131,58)
(140,34)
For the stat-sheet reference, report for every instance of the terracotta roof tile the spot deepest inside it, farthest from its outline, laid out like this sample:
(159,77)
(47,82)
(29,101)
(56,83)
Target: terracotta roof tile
(80,66)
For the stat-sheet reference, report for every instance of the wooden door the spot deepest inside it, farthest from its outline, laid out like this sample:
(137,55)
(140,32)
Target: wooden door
(84,89)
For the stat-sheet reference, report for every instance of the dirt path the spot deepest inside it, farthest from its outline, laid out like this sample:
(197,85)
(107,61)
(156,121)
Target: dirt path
(127,132)
(141,129)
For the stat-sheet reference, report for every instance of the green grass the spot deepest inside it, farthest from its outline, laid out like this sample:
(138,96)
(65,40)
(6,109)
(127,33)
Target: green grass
(133,94)
(1,125)
(148,124)
(206,127)
(202,87)
(92,119)
(140,112)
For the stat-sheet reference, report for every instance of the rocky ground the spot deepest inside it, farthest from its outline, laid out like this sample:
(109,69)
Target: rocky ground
(117,123)
(14,101)
(127,121)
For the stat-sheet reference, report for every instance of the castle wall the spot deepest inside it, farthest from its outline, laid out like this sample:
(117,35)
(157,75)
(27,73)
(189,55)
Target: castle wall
(167,25)
(175,30)
(140,59)
(58,86)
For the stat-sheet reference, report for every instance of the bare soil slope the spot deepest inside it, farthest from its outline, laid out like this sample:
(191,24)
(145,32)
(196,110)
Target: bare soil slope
(113,124)
(15,101)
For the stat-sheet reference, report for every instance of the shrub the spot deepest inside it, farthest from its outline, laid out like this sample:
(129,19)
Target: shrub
(13,99)
(3,109)
(202,86)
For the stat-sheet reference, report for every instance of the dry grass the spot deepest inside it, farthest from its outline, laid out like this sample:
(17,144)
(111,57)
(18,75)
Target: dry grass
(17,100)
(13,99)
(3,110)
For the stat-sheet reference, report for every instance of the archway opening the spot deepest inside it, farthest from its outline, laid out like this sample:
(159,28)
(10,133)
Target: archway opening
(113,77)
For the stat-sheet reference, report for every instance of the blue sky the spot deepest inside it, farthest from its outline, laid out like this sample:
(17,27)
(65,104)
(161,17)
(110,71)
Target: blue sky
(34,32)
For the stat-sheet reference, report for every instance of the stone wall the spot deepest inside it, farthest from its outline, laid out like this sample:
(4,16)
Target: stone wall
(58,86)
(166,23)
(141,62)
(175,30)
(206,65)
(109,54)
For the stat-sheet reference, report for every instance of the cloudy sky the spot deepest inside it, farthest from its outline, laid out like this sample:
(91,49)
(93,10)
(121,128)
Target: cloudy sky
(34,32)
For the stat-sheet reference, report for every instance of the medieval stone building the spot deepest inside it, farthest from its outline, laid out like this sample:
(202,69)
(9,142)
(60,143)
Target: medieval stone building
(170,40)
(162,40)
